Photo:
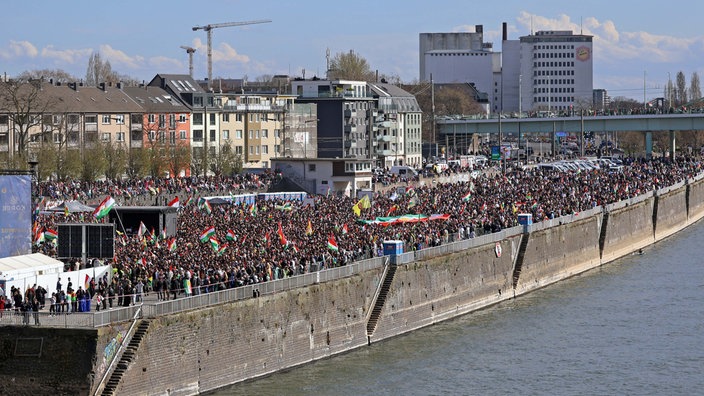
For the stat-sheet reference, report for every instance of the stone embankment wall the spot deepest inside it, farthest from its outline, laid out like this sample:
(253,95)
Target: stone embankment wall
(198,351)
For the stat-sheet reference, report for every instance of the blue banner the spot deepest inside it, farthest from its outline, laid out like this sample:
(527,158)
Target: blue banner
(15,215)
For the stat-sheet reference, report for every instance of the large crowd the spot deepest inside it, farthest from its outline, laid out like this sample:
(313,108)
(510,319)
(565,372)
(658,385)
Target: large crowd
(274,239)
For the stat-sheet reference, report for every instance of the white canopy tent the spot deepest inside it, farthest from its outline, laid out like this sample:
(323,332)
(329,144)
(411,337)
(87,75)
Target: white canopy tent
(29,265)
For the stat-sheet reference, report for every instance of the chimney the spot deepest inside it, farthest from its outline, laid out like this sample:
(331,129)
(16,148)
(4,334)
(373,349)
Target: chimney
(73,86)
(119,85)
(102,86)
(505,31)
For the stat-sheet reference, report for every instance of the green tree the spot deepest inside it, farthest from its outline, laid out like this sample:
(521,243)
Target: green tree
(680,89)
(116,160)
(178,159)
(94,162)
(350,66)
(137,160)
(224,162)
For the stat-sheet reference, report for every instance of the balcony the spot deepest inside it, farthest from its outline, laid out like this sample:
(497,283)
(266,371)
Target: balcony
(350,128)
(385,138)
(385,153)
(350,113)
(350,144)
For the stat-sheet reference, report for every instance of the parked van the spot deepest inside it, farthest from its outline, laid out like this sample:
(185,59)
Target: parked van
(403,170)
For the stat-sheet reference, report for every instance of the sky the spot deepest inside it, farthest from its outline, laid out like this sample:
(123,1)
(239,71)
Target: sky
(636,43)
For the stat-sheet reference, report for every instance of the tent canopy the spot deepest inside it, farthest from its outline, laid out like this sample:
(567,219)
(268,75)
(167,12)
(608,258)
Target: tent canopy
(17,267)
(73,207)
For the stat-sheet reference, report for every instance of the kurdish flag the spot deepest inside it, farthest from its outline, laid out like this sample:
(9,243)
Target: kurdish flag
(171,245)
(309,228)
(214,244)
(332,244)
(253,209)
(50,234)
(174,203)
(104,207)
(230,235)
(222,249)
(205,235)
(344,229)
(188,201)
(467,197)
(206,206)
(142,230)
(282,237)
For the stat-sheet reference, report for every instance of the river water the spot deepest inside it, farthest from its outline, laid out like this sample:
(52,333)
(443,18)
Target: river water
(635,326)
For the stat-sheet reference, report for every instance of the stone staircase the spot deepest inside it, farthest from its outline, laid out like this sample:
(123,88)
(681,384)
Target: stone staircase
(380,300)
(127,357)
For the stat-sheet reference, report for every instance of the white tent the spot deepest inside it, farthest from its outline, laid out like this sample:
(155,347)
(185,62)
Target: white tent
(29,265)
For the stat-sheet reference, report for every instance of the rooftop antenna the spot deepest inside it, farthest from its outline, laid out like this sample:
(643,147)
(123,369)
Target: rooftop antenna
(327,63)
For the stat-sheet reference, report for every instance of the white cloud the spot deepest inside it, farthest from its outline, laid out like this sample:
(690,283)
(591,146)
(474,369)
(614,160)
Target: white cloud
(120,58)
(165,64)
(613,46)
(225,52)
(18,49)
(69,56)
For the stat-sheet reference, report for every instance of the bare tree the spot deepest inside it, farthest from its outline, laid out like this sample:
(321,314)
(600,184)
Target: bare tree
(350,66)
(93,162)
(57,75)
(99,70)
(223,162)
(25,103)
(680,89)
(695,91)
(178,158)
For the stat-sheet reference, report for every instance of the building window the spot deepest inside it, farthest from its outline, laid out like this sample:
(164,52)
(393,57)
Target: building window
(311,167)
(238,150)
(182,118)
(172,137)
(183,134)
(106,119)
(265,149)
(251,134)
(162,120)
(251,150)
(226,134)
(120,137)
(197,135)
(238,134)
(212,118)
(265,133)
(172,120)
(197,119)
(257,148)
(212,135)
(225,117)
(151,118)
(105,136)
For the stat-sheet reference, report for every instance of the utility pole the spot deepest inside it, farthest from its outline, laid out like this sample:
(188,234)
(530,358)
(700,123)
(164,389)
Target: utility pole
(209,29)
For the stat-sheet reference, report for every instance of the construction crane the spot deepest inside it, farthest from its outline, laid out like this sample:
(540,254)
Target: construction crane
(190,51)
(209,28)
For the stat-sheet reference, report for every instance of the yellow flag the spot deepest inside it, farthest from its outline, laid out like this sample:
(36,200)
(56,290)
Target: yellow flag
(364,202)
(355,208)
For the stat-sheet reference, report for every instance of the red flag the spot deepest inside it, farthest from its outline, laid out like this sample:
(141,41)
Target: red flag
(282,237)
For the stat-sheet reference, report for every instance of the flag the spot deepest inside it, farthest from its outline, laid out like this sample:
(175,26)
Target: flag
(174,203)
(230,235)
(162,235)
(206,206)
(50,234)
(286,206)
(357,209)
(222,249)
(467,197)
(171,245)
(214,244)
(65,209)
(142,230)
(344,229)
(266,238)
(104,207)
(309,228)
(332,244)
(253,209)
(410,191)
(391,210)
(282,237)
(153,236)
(365,203)
(38,237)
(188,201)
(207,233)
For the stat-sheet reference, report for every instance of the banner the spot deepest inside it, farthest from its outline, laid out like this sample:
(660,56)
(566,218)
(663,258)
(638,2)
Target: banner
(15,215)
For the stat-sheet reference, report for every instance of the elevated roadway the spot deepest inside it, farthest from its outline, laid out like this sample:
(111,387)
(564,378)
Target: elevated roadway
(646,123)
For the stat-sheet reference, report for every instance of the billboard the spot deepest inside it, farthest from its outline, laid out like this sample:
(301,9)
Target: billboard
(15,215)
